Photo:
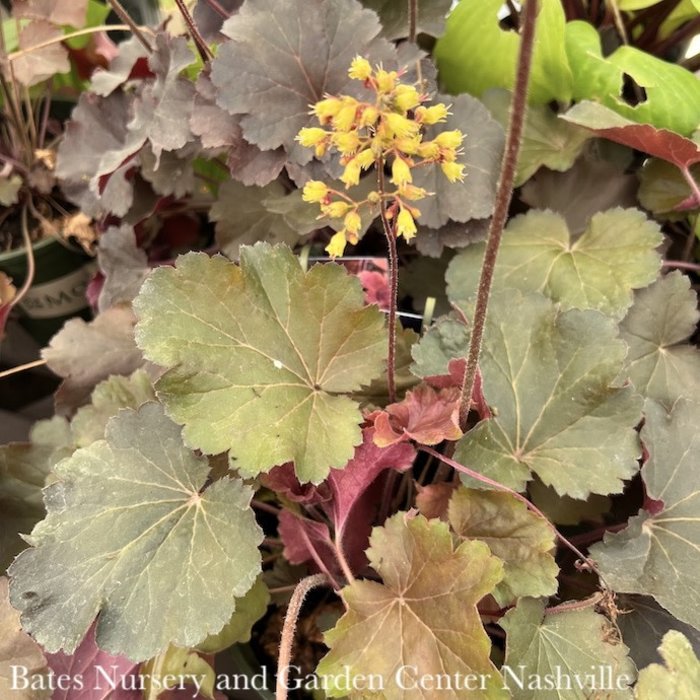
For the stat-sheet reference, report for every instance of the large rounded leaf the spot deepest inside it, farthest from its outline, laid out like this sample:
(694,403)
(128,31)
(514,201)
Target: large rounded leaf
(131,534)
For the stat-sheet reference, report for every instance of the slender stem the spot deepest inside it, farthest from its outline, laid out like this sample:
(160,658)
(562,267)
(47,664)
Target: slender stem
(22,368)
(393,283)
(31,265)
(64,37)
(125,17)
(317,557)
(575,604)
(202,47)
(412,20)
(504,194)
(260,505)
(695,267)
(340,556)
(694,188)
(288,630)
(529,504)
(218,8)
(688,29)
(619,22)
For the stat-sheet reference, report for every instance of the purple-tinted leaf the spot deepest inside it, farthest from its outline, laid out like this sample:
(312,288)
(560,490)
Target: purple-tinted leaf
(90,663)
(209,16)
(123,264)
(662,143)
(214,126)
(483,145)
(394,16)
(131,61)
(55,11)
(283,56)
(432,242)
(84,354)
(162,111)
(306,540)
(39,64)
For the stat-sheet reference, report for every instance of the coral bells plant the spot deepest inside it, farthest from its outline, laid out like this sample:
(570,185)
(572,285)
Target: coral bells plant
(385,131)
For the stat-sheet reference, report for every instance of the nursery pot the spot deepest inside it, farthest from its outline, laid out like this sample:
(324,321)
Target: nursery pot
(58,291)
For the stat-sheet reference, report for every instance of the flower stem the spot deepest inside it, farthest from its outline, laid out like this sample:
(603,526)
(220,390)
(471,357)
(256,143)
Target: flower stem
(290,624)
(504,194)
(393,283)
(200,43)
(125,17)
(412,20)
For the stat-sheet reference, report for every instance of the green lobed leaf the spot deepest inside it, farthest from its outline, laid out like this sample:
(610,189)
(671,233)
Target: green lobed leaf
(523,540)
(662,188)
(249,609)
(550,378)
(571,645)
(423,614)
(260,356)
(661,363)
(672,93)
(131,535)
(657,554)
(678,678)
(475,54)
(547,140)
(598,270)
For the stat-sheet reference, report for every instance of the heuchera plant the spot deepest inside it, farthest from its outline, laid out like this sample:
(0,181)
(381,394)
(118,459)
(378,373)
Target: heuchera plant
(460,462)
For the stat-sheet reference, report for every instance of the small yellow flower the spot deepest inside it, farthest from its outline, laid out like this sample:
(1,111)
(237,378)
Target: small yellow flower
(432,115)
(412,193)
(326,109)
(314,191)
(346,142)
(386,81)
(429,150)
(453,171)
(344,120)
(335,209)
(369,116)
(311,136)
(405,225)
(406,97)
(360,68)
(400,126)
(352,222)
(408,146)
(400,172)
(365,158)
(351,174)
(449,139)
(336,246)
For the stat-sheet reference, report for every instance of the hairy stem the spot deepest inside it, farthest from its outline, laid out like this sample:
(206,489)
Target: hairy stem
(393,283)
(529,504)
(340,556)
(125,17)
(694,188)
(290,624)
(412,20)
(504,194)
(681,264)
(202,46)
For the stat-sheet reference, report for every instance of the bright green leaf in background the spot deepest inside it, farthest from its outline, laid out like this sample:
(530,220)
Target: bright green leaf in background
(671,98)
(423,614)
(661,363)
(131,535)
(475,54)
(523,540)
(657,554)
(550,377)
(679,678)
(564,644)
(597,270)
(260,356)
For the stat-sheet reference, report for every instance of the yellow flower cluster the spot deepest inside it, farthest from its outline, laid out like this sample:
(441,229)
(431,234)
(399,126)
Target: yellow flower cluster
(389,130)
